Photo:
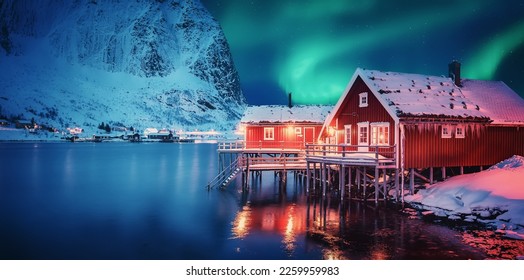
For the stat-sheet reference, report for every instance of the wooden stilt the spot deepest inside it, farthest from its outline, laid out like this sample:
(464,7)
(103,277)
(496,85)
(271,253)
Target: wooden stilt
(384,184)
(443,173)
(328,170)
(364,174)
(402,184)
(462,170)
(323,176)
(397,193)
(307,178)
(357,180)
(376,184)
(349,182)
(412,181)
(342,181)
(431,175)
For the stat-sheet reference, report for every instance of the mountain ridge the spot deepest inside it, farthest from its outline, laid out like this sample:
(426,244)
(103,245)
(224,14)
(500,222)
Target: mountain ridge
(139,63)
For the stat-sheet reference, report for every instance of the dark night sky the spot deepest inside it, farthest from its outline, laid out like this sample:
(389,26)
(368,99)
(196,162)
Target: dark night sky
(312,47)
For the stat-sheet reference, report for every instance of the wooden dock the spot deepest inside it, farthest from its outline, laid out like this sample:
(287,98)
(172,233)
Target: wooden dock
(355,172)
(250,158)
(369,173)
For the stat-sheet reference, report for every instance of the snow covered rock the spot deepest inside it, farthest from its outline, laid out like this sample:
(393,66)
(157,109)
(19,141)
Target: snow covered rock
(512,162)
(140,63)
(495,195)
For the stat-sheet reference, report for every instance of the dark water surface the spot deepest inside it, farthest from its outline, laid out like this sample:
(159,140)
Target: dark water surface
(149,201)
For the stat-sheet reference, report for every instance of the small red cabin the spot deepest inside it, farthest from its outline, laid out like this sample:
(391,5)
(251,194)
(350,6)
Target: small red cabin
(428,121)
(282,127)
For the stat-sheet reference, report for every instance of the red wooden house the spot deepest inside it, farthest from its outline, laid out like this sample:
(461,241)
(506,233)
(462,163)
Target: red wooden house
(282,127)
(429,121)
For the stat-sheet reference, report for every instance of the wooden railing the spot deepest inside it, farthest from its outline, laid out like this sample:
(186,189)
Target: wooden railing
(351,154)
(261,145)
(272,163)
(231,145)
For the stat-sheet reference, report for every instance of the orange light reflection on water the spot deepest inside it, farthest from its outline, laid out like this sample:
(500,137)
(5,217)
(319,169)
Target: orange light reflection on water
(242,223)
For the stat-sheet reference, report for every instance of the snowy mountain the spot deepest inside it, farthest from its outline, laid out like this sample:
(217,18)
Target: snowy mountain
(140,63)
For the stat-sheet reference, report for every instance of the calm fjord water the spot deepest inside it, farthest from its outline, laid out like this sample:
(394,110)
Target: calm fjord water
(149,201)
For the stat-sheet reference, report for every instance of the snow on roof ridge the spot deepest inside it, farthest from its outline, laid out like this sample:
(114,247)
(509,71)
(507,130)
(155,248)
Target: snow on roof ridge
(283,113)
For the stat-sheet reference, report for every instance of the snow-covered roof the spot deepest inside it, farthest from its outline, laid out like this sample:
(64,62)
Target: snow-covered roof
(496,100)
(420,95)
(284,114)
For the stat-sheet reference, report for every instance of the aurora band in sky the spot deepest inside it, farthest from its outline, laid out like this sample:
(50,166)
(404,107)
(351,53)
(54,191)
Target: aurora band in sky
(311,48)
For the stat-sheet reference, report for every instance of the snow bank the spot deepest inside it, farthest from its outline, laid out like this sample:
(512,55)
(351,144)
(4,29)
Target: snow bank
(494,196)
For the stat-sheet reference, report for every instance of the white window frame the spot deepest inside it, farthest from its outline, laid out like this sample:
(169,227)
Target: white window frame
(378,129)
(347,132)
(362,125)
(363,99)
(446,131)
(269,133)
(298,130)
(460,132)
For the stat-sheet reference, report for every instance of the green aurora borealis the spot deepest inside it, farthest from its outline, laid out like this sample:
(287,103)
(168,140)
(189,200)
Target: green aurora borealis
(311,48)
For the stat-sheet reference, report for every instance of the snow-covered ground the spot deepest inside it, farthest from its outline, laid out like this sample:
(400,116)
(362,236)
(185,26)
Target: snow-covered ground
(494,197)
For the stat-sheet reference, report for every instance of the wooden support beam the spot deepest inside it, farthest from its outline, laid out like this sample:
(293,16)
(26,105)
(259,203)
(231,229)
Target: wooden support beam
(431,175)
(462,170)
(443,173)
(402,184)
(349,182)
(376,184)
(357,179)
(323,178)
(342,181)
(384,184)
(421,176)
(411,181)
(328,169)
(397,193)
(364,174)
(307,178)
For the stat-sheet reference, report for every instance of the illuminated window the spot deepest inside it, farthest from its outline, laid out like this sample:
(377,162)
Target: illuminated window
(363,133)
(446,131)
(460,132)
(363,99)
(379,134)
(269,133)
(347,134)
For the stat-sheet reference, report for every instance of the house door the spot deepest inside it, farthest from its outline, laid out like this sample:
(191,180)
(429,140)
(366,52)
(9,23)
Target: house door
(363,136)
(309,135)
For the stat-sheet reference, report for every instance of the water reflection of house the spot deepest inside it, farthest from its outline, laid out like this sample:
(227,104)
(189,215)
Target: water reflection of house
(288,221)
